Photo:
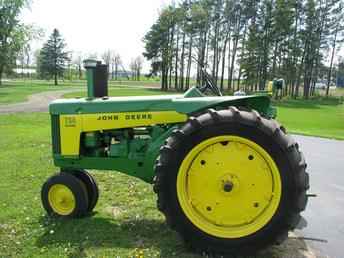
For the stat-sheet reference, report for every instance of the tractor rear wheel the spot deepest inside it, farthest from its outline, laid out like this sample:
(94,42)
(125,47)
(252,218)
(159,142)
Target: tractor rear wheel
(91,187)
(231,182)
(65,195)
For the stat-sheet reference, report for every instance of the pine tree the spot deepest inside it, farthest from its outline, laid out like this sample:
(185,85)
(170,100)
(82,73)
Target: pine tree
(53,57)
(256,39)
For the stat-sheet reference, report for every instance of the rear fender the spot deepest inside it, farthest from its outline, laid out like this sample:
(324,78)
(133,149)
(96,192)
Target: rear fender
(195,105)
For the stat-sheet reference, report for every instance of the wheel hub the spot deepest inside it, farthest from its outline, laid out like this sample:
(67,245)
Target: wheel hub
(61,199)
(228,186)
(234,203)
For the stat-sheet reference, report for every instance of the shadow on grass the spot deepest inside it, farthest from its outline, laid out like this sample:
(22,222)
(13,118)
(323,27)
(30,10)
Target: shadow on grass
(142,233)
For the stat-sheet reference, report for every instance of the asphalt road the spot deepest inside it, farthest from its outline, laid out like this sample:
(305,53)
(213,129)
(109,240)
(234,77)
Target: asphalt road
(325,213)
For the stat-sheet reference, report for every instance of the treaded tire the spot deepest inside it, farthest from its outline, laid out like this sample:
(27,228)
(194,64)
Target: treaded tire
(266,133)
(75,185)
(91,187)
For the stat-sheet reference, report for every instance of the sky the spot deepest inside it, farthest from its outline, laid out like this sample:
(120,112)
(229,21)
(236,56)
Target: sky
(95,26)
(98,25)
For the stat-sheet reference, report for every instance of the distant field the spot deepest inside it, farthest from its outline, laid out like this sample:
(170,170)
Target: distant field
(120,92)
(18,91)
(323,118)
(339,92)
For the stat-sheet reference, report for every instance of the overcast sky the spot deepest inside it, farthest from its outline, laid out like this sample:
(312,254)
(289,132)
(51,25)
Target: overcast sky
(97,25)
(94,26)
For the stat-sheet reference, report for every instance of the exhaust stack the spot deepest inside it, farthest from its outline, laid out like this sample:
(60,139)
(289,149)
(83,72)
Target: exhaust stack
(97,78)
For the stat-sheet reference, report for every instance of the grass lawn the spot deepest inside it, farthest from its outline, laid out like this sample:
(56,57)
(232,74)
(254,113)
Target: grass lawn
(18,91)
(324,118)
(126,222)
(120,92)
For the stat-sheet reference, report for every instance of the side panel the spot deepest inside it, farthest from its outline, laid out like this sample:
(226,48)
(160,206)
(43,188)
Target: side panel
(72,126)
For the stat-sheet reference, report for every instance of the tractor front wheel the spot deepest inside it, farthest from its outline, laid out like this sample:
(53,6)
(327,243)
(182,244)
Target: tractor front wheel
(91,187)
(231,182)
(65,195)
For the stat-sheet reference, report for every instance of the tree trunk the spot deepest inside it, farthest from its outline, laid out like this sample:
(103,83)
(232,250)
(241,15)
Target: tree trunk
(182,63)
(274,60)
(55,78)
(230,77)
(176,63)
(215,49)
(295,57)
(1,72)
(80,71)
(331,65)
(188,70)
(223,64)
(298,80)
(239,79)
(171,57)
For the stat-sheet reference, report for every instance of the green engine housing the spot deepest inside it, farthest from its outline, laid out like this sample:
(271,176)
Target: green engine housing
(125,133)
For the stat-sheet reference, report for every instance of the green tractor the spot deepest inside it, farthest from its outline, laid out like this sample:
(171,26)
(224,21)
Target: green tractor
(228,177)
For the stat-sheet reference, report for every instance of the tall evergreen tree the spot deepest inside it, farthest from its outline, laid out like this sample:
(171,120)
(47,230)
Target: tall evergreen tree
(53,57)
(255,39)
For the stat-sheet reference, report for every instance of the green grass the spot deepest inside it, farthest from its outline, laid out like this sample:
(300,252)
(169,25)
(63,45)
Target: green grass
(125,222)
(324,118)
(18,91)
(120,92)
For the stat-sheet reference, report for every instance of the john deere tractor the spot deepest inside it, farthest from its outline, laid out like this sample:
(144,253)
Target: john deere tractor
(228,177)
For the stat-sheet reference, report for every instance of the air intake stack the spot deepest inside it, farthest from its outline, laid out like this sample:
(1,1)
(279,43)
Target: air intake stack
(97,78)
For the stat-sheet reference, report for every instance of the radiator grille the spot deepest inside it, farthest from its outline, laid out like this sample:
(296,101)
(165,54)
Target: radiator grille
(55,134)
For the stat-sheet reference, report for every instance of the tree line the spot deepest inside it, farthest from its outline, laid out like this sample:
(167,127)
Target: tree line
(54,61)
(247,43)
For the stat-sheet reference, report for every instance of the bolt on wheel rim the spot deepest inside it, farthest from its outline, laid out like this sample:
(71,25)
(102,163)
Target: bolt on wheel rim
(229,186)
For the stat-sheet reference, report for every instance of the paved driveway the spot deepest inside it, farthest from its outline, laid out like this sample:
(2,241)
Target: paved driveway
(325,214)
(38,102)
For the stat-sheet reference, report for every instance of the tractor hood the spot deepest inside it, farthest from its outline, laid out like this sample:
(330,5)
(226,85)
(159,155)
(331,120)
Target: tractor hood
(180,103)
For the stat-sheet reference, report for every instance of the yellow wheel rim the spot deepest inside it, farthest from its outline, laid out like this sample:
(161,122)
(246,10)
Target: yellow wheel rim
(61,199)
(229,187)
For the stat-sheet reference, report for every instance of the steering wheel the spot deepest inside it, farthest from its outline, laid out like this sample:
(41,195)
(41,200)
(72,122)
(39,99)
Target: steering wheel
(209,84)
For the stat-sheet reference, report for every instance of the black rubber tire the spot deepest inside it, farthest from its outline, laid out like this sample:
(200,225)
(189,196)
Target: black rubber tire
(91,187)
(265,132)
(75,185)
